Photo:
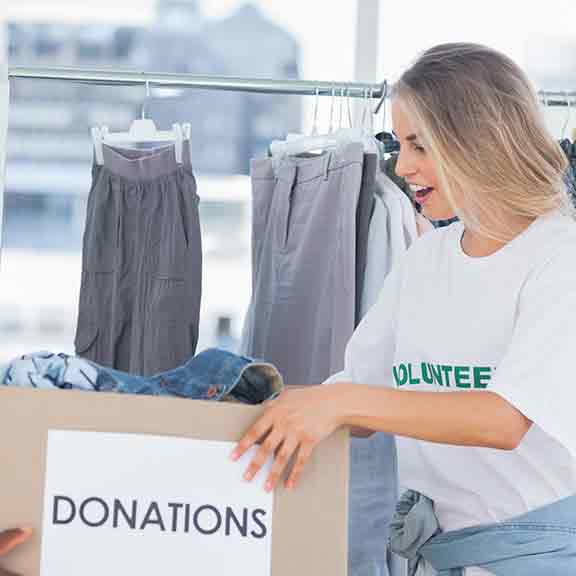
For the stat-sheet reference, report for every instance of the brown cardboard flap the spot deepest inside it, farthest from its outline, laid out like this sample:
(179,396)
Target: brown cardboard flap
(310,523)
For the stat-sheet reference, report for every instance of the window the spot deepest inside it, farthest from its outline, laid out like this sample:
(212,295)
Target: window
(50,150)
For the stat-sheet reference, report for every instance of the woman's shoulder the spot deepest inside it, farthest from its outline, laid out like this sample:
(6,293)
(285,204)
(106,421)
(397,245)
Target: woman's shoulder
(543,254)
(554,239)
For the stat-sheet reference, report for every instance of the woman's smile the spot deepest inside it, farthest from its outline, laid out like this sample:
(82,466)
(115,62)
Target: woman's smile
(421,193)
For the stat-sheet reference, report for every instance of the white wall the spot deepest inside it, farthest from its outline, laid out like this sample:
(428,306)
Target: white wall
(366,46)
(561,121)
(3,115)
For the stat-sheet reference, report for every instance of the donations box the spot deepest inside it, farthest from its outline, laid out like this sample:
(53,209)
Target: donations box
(119,484)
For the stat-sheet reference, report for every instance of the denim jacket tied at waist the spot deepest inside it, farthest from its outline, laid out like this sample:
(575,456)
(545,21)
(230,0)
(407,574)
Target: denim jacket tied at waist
(539,542)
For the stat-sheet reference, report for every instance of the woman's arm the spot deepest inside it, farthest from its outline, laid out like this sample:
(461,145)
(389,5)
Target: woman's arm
(475,418)
(300,419)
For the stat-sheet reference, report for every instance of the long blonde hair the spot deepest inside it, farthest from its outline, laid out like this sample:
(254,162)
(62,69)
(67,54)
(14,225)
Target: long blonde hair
(478,116)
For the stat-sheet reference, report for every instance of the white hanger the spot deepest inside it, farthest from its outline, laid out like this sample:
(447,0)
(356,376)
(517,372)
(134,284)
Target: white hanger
(352,133)
(363,133)
(383,112)
(277,146)
(340,106)
(332,98)
(370,144)
(334,138)
(349,107)
(568,116)
(313,143)
(141,130)
(315,122)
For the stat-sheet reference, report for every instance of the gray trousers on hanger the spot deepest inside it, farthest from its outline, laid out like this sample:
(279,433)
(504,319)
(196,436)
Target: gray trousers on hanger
(373,484)
(304,262)
(373,470)
(263,183)
(142,262)
(364,212)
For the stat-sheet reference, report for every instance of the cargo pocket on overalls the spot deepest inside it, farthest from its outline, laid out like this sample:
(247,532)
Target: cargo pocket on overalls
(168,326)
(86,328)
(85,340)
(92,311)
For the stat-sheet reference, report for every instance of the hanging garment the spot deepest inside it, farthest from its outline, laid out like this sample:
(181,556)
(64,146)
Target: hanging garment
(377,254)
(263,181)
(142,262)
(408,215)
(370,509)
(373,470)
(373,465)
(213,374)
(402,231)
(304,236)
(364,216)
(394,225)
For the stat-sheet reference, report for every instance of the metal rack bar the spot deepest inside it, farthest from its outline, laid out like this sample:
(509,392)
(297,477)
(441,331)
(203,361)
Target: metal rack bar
(557,94)
(114,77)
(560,98)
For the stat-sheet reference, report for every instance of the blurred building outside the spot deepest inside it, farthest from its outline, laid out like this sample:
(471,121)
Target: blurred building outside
(50,156)
(50,151)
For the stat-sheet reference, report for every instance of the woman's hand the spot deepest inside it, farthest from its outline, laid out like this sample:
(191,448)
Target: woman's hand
(295,423)
(9,539)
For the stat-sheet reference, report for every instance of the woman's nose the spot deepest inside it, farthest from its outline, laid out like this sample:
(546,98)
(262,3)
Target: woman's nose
(404,168)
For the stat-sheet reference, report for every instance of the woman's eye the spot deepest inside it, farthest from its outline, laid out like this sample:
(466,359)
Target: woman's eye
(417,148)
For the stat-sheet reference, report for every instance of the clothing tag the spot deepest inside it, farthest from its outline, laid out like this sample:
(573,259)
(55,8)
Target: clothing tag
(327,159)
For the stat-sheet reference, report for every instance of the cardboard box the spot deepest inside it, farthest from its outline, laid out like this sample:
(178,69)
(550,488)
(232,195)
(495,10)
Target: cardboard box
(309,535)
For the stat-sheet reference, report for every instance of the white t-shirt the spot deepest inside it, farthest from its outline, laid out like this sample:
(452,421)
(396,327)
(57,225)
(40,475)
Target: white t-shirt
(445,321)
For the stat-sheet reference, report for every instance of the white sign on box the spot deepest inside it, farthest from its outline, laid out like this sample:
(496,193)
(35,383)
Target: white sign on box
(119,504)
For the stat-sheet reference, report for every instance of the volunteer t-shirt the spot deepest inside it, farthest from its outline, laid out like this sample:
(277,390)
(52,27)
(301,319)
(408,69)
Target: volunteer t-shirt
(446,322)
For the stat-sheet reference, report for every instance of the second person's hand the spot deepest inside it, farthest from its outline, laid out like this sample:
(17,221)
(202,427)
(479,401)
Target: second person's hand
(9,539)
(295,423)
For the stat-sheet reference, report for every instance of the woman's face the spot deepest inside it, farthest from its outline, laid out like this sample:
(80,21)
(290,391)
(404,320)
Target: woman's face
(417,168)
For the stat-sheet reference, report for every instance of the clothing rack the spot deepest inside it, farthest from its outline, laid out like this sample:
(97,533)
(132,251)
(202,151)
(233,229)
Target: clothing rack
(559,93)
(557,97)
(112,77)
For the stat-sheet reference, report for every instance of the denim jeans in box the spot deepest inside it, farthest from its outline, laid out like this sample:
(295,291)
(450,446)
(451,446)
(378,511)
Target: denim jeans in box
(213,374)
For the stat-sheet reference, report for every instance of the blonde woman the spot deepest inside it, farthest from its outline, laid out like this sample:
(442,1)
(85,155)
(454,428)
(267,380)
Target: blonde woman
(467,356)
